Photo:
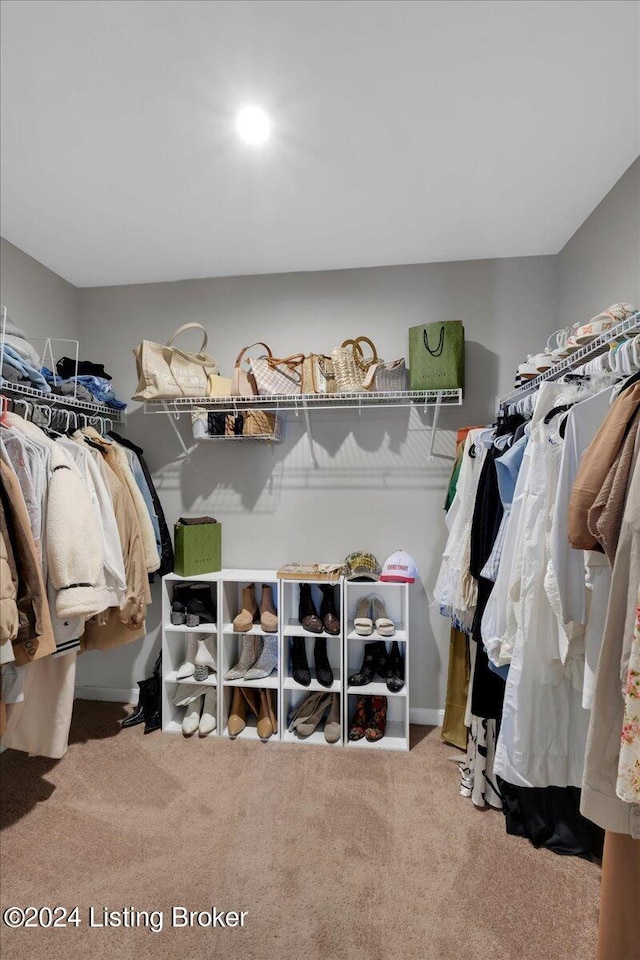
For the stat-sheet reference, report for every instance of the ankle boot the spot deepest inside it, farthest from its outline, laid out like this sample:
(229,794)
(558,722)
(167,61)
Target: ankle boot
(249,613)
(237,719)
(359,720)
(268,616)
(332,725)
(324,673)
(179,600)
(272,705)
(205,658)
(374,662)
(377,719)
(208,720)
(199,612)
(188,667)
(248,656)
(138,714)
(265,726)
(395,669)
(267,662)
(328,613)
(307,613)
(299,666)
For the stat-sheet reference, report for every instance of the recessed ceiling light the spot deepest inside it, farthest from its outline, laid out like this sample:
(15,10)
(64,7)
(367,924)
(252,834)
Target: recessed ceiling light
(253,125)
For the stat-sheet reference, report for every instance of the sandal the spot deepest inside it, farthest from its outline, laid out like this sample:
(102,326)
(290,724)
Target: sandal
(385,627)
(363,624)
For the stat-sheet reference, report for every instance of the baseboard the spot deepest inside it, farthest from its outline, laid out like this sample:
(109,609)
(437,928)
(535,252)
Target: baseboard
(419,715)
(426,718)
(112,694)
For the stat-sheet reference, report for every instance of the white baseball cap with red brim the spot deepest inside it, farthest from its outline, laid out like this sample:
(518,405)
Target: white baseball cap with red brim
(399,568)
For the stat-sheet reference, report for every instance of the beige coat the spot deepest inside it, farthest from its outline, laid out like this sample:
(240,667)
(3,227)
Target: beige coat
(595,466)
(599,801)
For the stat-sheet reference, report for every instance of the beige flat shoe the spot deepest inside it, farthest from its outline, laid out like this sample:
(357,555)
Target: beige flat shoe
(332,727)
(191,720)
(363,624)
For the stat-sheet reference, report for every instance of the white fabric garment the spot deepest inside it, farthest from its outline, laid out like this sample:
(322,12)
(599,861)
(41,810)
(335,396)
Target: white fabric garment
(598,588)
(543,731)
(455,590)
(40,724)
(583,422)
(114,588)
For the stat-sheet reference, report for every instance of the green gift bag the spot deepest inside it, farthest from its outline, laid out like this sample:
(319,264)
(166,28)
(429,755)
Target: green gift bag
(436,356)
(198,546)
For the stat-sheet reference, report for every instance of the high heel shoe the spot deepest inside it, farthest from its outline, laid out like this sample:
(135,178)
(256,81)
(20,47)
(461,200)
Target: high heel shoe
(385,627)
(251,647)
(189,665)
(359,720)
(307,613)
(180,598)
(377,723)
(306,717)
(328,612)
(267,662)
(267,723)
(324,673)
(299,665)
(362,623)
(205,658)
(249,613)
(208,720)
(268,616)
(332,725)
(395,669)
(374,664)
(199,612)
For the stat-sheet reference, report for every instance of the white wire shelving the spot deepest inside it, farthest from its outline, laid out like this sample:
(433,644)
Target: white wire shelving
(575,360)
(305,403)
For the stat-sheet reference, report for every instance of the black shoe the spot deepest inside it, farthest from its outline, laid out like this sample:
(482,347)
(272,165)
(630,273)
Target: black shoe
(181,596)
(307,613)
(328,613)
(395,669)
(374,663)
(150,694)
(138,714)
(299,665)
(324,673)
(199,612)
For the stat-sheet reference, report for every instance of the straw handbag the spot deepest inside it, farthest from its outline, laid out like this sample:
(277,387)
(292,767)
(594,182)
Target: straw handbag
(353,371)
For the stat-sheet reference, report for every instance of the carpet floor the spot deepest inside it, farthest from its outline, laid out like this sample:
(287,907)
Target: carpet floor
(334,855)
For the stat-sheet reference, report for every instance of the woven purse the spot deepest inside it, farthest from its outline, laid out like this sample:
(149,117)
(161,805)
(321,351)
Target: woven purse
(351,368)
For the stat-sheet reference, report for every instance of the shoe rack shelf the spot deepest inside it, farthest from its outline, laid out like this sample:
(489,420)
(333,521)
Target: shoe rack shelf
(396,601)
(345,653)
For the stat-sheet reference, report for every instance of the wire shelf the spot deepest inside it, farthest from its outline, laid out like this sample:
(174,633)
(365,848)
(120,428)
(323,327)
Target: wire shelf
(309,401)
(19,391)
(576,359)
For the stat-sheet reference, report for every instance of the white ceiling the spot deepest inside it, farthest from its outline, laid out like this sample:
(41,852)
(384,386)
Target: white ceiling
(402,131)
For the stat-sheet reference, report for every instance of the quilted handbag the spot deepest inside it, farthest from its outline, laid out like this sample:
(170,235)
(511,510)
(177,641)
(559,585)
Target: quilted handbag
(243,382)
(275,376)
(166,372)
(351,367)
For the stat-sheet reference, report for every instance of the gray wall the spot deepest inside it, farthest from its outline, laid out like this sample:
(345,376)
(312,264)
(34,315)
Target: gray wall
(600,264)
(37,299)
(375,487)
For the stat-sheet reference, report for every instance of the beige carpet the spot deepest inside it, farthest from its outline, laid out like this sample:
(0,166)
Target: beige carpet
(333,854)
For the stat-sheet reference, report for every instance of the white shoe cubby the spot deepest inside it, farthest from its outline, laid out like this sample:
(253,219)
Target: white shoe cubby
(293,693)
(396,600)
(345,652)
(175,640)
(232,583)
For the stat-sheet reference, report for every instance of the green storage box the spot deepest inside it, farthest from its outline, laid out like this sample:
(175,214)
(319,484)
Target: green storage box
(198,547)
(436,356)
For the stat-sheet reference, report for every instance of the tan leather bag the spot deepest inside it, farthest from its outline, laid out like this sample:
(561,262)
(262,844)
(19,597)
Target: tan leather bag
(317,374)
(166,372)
(218,386)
